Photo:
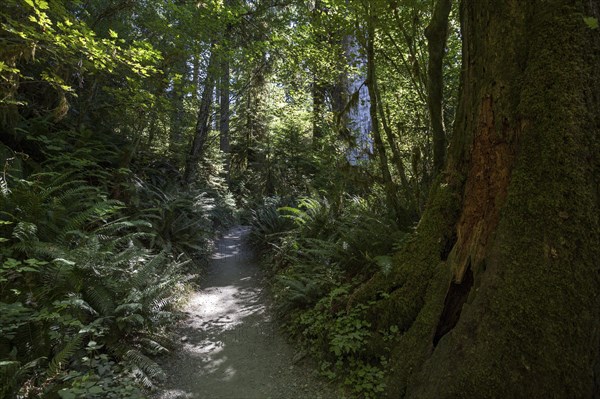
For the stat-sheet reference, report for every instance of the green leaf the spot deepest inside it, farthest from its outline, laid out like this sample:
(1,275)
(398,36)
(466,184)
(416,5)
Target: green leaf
(95,390)
(591,22)
(28,269)
(11,263)
(66,394)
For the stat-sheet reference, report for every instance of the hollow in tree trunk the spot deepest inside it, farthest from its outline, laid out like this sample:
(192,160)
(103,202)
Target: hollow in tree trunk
(496,293)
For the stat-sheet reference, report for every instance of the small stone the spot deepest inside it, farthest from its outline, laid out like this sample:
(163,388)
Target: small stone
(184,339)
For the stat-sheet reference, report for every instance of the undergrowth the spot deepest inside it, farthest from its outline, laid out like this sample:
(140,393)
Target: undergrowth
(317,254)
(94,261)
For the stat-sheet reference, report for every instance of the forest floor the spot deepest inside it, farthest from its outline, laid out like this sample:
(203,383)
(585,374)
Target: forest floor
(231,346)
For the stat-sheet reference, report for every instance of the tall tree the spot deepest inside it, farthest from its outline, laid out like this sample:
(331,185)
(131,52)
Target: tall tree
(224,92)
(389,185)
(496,295)
(224,106)
(437,34)
(202,122)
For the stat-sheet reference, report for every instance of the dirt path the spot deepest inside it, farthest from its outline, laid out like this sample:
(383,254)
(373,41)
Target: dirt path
(231,348)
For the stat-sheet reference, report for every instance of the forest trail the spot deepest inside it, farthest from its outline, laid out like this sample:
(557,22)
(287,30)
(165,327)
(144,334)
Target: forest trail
(232,348)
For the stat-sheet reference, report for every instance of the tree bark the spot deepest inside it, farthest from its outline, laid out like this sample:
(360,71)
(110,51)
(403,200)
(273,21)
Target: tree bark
(224,112)
(318,88)
(496,294)
(396,156)
(202,125)
(176,125)
(318,95)
(437,34)
(224,104)
(389,186)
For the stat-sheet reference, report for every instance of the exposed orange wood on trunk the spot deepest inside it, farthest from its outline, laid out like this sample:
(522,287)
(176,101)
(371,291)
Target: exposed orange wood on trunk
(485,192)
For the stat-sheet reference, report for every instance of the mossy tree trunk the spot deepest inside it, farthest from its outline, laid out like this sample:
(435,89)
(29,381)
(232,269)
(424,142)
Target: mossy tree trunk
(496,295)
(389,186)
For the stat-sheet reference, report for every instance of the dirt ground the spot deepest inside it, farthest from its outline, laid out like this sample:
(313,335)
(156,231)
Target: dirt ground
(231,347)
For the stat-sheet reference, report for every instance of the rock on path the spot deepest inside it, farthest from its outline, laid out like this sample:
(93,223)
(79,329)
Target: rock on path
(231,346)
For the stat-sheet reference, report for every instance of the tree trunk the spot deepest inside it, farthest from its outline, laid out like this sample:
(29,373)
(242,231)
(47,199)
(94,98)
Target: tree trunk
(224,111)
(177,117)
(437,34)
(202,125)
(318,88)
(496,295)
(224,104)
(396,156)
(318,95)
(389,186)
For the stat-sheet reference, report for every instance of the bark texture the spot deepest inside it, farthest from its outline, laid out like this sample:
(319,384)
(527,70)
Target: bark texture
(389,185)
(437,34)
(224,101)
(202,128)
(224,113)
(496,294)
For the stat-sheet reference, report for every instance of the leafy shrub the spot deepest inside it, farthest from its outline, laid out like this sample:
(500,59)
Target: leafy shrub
(318,261)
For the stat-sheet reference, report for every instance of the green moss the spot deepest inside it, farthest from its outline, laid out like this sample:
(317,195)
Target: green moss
(531,329)
(411,297)
(419,257)
(530,325)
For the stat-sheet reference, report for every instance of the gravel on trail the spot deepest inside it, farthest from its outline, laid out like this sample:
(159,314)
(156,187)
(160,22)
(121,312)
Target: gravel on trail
(231,346)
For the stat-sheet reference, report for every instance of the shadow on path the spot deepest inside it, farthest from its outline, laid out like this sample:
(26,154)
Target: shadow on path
(232,349)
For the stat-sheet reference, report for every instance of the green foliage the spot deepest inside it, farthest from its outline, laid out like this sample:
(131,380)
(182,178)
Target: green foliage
(318,260)
(267,224)
(89,286)
(99,105)
(341,342)
(95,285)
(46,44)
(591,22)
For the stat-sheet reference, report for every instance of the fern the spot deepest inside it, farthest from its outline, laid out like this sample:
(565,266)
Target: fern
(25,232)
(145,368)
(103,274)
(62,357)
(142,275)
(100,298)
(9,370)
(152,346)
(12,374)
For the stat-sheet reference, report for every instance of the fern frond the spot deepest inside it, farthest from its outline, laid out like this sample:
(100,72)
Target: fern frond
(100,298)
(58,278)
(153,347)
(62,357)
(25,232)
(141,278)
(148,367)
(40,250)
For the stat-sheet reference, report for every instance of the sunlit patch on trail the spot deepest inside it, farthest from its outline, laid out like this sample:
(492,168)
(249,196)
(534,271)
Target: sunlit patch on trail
(231,348)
